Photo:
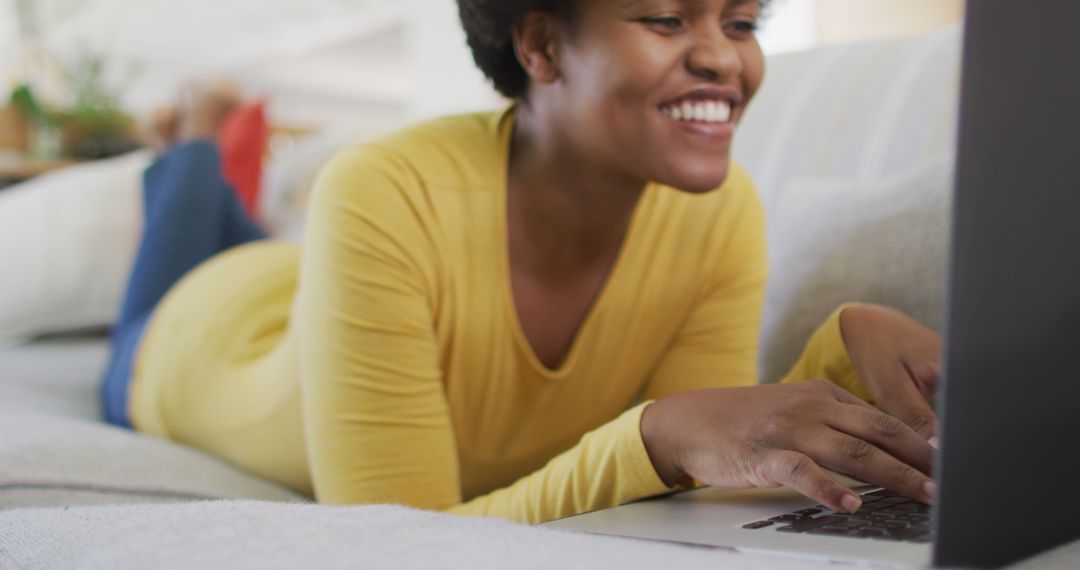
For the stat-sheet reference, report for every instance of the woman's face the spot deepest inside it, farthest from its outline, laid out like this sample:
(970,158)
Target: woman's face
(656,87)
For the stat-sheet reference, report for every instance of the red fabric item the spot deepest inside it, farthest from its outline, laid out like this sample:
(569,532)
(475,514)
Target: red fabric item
(243,141)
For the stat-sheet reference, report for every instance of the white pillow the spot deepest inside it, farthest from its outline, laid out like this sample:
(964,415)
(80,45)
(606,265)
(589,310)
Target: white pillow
(869,110)
(67,241)
(834,241)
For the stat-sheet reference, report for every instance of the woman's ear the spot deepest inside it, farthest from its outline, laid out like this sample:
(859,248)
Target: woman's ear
(535,44)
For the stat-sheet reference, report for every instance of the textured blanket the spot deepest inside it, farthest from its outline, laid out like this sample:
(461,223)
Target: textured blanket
(240,535)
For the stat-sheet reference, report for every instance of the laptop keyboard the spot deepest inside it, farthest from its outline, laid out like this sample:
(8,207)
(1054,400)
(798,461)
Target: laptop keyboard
(884,514)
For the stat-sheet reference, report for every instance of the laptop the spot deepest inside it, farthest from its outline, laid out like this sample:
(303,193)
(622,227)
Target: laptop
(1010,402)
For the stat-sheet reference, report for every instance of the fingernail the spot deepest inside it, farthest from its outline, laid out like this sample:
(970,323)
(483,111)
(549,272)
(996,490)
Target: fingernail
(931,489)
(851,503)
(934,442)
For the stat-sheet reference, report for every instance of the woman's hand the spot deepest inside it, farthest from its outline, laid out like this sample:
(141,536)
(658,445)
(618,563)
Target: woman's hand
(897,360)
(768,436)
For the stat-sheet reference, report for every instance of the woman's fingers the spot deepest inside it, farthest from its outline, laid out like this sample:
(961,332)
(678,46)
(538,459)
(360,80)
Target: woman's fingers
(926,375)
(867,462)
(894,435)
(897,358)
(902,397)
(799,472)
(787,435)
(843,396)
(885,432)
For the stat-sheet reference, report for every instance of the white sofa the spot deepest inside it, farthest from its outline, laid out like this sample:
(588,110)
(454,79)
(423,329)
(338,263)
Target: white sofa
(851,147)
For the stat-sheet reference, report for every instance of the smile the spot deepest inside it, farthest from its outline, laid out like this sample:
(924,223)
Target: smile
(710,111)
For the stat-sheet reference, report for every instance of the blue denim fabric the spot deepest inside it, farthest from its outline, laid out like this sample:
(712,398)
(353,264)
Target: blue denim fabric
(191,214)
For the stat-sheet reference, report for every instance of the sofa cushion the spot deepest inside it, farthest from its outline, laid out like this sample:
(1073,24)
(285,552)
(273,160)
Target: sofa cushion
(69,238)
(52,461)
(864,111)
(835,140)
(835,241)
(57,377)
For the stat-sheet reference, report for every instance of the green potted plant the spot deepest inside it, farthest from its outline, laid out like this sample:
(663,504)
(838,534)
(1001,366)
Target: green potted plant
(87,120)
(95,125)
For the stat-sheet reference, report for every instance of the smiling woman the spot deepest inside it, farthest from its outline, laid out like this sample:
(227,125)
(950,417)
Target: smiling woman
(486,24)
(526,314)
(614,64)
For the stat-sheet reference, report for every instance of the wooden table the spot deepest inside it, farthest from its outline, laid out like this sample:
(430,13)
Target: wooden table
(16,166)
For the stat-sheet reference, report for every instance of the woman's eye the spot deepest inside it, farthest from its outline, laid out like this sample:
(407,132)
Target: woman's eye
(666,24)
(742,28)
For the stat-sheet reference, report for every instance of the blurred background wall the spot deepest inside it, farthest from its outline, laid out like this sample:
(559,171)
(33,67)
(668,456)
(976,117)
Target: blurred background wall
(324,62)
(848,20)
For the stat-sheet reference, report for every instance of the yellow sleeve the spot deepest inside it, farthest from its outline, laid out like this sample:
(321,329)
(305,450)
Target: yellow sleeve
(608,467)
(717,346)
(826,356)
(377,422)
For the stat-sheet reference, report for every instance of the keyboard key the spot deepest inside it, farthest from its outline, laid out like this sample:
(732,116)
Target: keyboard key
(831,530)
(884,515)
(758,524)
(803,525)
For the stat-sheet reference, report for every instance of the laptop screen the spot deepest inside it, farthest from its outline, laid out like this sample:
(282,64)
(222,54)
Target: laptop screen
(1011,402)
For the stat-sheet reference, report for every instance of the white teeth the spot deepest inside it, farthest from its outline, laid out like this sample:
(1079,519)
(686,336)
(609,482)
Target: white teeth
(723,112)
(704,111)
(713,109)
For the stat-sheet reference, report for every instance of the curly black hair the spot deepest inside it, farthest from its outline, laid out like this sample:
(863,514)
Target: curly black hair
(488,27)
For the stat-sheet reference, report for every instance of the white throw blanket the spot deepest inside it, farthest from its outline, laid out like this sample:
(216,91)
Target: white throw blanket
(239,535)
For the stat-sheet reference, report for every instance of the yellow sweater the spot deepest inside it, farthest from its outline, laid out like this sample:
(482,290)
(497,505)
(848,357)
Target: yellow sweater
(384,363)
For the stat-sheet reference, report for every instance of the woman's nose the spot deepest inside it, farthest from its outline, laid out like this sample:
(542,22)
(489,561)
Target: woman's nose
(713,56)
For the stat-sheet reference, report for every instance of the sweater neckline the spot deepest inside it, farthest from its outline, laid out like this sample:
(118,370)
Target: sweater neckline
(613,280)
